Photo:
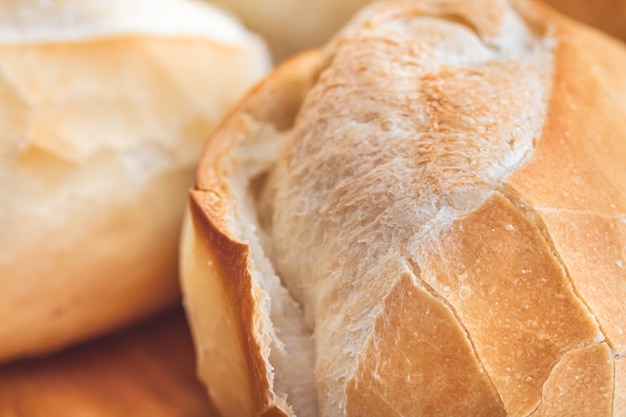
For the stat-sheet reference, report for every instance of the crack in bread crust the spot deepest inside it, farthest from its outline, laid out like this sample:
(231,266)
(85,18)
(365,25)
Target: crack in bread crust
(533,216)
(416,270)
(598,385)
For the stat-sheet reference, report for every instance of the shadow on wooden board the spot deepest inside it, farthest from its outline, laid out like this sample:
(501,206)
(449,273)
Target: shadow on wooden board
(145,371)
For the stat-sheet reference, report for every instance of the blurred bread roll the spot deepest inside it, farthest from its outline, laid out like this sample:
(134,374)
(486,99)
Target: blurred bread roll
(293,25)
(104,108)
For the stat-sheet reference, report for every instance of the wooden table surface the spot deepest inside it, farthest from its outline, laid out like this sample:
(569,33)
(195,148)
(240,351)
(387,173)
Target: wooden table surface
(146,371)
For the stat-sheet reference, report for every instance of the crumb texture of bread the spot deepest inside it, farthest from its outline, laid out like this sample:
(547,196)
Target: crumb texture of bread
(445,214)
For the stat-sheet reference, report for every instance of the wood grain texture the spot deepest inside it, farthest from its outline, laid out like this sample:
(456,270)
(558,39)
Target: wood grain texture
(146,371)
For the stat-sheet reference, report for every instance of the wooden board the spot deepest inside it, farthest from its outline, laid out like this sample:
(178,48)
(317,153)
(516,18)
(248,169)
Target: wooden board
(146,371)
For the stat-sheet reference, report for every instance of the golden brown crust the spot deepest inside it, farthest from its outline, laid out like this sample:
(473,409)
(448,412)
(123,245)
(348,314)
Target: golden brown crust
(513,296)
(584,146)
(580,384)
(583,138)
(591,245)
(228,258)
(619,398)
(415,320)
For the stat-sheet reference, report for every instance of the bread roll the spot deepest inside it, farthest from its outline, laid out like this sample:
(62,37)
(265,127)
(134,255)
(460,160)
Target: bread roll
(427,218)
(104,108)
(293,25)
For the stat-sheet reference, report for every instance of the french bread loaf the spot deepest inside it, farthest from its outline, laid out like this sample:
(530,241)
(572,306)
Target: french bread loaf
(104,108)
(426,218)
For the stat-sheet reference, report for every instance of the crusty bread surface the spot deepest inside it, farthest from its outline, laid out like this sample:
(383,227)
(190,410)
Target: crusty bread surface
(426,218)
(104,108)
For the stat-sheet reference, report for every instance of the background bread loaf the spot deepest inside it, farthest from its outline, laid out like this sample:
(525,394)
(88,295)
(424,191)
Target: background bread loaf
(291,26)
(104,108)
